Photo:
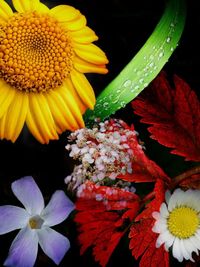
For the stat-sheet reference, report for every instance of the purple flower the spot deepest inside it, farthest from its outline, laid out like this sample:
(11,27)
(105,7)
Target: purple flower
(35,222)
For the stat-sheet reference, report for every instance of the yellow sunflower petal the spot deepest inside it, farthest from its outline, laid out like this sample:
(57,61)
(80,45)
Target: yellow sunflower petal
(90,53)
(59,112)
(2,126)
(6,97)
(40,114)
(72,104)
(67,112)
(25,5)
(76,24)
(64,13)
(5,11)
(70,87)
(84,89)
(85,36)
(42,8)
(15,116)
(86,67)
(31,123)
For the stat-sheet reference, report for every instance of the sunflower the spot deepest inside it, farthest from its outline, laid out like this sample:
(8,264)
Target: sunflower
(44,54)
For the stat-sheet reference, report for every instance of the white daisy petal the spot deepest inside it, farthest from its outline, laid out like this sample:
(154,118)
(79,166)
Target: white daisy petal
(169,242)
(176,250)
(156,215)
(192,199)
(163,210)
(175,198)
(198,235)
(184,251)
(196,243)
(163,237)
(159,227)
(190,247)
(167,196)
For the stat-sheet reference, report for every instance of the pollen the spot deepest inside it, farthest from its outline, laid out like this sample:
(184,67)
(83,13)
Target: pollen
(36,53)
(183,222)
(36,222)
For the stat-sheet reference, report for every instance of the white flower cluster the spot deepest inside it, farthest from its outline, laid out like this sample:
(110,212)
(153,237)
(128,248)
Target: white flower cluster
(103,152)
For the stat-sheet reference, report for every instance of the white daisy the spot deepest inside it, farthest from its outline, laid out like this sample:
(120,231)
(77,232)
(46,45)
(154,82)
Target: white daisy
(178,223)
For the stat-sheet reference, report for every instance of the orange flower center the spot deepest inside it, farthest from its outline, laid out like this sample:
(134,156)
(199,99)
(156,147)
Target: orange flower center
(36,54)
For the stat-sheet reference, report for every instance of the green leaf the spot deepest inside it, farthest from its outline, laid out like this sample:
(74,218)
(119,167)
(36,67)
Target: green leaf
(146,64)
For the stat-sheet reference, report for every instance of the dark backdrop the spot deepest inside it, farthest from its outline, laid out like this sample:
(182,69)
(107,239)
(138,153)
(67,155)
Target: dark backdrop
(122,27)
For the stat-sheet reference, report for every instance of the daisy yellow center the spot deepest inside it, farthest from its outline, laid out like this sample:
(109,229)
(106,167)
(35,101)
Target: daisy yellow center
(36,222)
(35,52)
(183,222)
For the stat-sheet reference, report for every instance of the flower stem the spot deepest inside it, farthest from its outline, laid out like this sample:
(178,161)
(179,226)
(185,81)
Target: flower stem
(178,179)
(148,197)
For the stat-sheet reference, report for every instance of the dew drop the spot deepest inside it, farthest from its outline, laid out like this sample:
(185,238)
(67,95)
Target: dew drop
(97,105)
(172,25)
(172,49)
(151,64)
(123,104)
(114,101)
(168,39)
(110,96)
(136,87)
(145,84)
(118,91)
(141,80)
(105,105)
(151,57)
(161,54)
(127,83)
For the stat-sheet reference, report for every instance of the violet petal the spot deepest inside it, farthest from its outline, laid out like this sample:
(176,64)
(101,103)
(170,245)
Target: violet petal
(58,209)
(27,191)
(53,244)
(24,248)
(12,218)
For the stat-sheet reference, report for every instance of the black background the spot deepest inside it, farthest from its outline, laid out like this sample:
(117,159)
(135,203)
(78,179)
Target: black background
(123,27)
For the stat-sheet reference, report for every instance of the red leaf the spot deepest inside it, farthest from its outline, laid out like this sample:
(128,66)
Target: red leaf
(154,205)
(144,169)
(102,222)
(155,257)
(143,243)
(143,239)
(174,114)
(141,236)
